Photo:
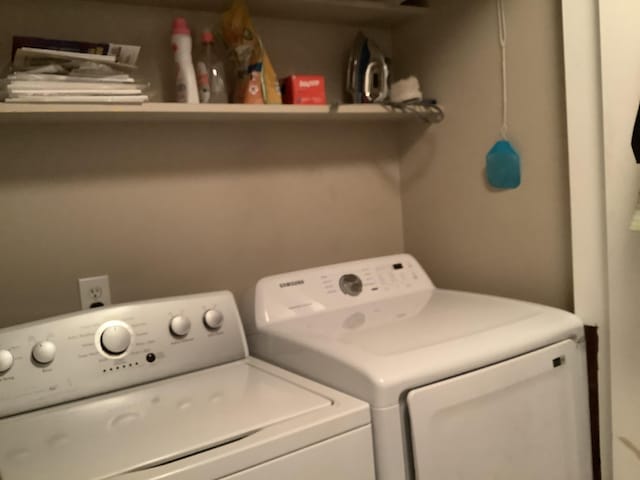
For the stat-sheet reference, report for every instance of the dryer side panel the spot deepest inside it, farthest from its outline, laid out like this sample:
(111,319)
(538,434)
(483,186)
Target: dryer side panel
(524,418)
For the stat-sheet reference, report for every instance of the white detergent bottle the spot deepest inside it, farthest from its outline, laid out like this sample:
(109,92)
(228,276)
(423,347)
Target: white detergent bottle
(186,85)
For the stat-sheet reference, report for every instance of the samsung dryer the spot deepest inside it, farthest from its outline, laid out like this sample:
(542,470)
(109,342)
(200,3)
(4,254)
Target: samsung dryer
(462,386)
(165,389)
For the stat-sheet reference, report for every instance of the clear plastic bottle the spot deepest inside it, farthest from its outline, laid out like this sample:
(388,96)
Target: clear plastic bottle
(212,87)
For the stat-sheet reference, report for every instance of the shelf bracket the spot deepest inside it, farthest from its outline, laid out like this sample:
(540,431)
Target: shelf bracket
(426,110)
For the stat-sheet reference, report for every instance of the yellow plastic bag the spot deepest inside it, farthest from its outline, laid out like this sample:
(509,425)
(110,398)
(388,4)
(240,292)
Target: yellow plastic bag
(249,54)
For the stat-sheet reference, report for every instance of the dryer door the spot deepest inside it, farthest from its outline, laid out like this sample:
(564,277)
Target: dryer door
(525,418)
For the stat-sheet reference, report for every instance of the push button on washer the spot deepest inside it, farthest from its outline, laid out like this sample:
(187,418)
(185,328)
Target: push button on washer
(44,352)
(6,361)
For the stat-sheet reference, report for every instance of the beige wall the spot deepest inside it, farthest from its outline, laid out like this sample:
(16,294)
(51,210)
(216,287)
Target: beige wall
(513,243)
(169,209)
(175,208)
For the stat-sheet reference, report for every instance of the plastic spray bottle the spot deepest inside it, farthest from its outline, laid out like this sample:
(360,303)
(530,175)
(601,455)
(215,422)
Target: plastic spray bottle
(186,86)
(210,69)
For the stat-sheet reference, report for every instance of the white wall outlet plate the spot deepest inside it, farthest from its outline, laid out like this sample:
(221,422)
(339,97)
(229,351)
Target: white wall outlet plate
(94,292)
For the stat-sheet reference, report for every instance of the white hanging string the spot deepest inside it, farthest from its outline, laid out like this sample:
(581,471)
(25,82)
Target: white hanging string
(502,31)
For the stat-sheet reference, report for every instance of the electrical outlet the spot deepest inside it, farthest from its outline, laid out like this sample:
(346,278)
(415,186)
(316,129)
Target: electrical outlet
(94,292)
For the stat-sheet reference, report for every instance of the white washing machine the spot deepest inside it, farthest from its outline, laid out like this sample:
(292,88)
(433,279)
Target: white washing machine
(166,390)
(462,386)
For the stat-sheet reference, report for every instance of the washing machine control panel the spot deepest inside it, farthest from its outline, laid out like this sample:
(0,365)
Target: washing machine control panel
(96,351)
(344,285)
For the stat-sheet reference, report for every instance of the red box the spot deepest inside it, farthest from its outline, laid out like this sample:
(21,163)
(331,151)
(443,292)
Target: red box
(304,90)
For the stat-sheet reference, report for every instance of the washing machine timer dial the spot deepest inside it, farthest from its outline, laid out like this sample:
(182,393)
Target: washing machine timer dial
(350,284)
(114,338)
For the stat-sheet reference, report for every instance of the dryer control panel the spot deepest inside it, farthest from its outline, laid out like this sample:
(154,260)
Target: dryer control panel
(324,289)
(96,351)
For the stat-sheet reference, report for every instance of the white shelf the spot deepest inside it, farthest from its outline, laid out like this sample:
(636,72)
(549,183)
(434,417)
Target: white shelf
(357,12)
(180,112)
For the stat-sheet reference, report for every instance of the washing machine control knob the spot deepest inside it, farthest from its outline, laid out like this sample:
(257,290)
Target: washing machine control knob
(213,319)
(44,352)
(6,361)
(179,325)
(350,284)
(115,339)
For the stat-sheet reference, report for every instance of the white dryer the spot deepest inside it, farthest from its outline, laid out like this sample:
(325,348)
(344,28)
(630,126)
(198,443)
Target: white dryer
(462,386)
(165,389)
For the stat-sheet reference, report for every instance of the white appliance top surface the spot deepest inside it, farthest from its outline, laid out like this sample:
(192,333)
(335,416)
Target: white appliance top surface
(151,424)
(415,322)
(380,347)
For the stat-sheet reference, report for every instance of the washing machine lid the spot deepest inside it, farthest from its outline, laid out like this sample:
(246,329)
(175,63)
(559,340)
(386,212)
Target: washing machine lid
(380,349)
(154,424)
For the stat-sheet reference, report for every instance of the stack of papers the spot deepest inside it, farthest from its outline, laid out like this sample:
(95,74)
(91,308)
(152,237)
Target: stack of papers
(74,75)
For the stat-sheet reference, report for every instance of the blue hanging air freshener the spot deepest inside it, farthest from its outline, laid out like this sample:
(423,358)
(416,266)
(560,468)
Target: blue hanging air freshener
(503,166)
(503,162)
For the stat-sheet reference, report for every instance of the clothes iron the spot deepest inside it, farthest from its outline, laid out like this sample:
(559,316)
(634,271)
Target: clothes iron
(367,72)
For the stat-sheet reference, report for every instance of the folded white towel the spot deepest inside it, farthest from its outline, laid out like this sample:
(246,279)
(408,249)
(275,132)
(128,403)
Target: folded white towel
(405,90)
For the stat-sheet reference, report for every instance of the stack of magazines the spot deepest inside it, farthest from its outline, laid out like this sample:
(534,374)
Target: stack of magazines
(62,71)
